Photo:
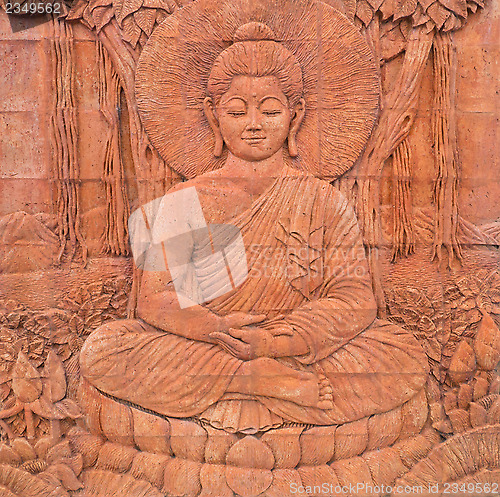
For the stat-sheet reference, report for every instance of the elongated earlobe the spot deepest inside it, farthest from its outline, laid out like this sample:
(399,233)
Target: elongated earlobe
(292,145)
(219,145)
(208,106)
(300,110)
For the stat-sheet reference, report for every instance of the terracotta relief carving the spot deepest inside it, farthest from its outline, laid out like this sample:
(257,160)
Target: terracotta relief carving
(249,256)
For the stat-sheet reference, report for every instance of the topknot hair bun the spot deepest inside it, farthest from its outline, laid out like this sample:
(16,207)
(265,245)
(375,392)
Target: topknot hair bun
(254,31)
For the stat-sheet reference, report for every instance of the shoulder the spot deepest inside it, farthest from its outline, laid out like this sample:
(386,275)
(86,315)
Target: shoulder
(329,197)
(205,185)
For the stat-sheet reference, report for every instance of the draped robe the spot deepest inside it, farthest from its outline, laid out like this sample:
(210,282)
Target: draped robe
(307,272)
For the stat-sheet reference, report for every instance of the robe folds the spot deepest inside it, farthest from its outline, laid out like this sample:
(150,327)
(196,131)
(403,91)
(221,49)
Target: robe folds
(306,271)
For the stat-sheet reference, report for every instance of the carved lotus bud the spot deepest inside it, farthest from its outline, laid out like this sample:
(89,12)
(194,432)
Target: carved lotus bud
(9,456)
(460,420)
(24,449)
(463,363)
(487,343)
(478,415)
(494,412)
(465,396)
(55,377)
(26,381)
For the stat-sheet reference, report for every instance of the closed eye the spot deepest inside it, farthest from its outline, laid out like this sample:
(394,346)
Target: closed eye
(272,112)
(236,113)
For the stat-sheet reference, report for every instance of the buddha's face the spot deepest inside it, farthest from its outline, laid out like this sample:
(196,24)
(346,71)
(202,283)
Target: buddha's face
(254,117)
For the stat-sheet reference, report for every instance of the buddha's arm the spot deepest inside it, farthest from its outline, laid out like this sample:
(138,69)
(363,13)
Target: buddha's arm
(345,305)
(158,305)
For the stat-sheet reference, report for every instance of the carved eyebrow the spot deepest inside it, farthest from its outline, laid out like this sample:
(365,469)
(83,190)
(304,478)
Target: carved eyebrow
(234,97)
(273,97)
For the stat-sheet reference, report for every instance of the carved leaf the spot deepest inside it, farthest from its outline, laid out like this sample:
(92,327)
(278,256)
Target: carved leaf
(364,12)
(42,446)
(156,4)
(250,452)
(26,381)
(75,463)
(494,386)
(66,476)
(9,456)
(145,18)
(45,409)
(432,348)
(93,4)
(68,408)
(127,7)
(487,343)
(494,412)
(405,8)
(60,451)
(463,363)
(375,4)
(4,391)
(459,7)
(465,396)
(54,372)
(24,449)
(76,324)
(438,14)
(480,388)
(478,415)
(131,33)
(460,420)
(102,16)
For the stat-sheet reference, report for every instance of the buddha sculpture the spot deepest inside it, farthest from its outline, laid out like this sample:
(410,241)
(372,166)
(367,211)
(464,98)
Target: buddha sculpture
(297,341)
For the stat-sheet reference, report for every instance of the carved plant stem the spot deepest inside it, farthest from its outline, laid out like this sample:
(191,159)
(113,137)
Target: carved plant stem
(403,243)
(55,430)
(396,119)
(64,139)
(6,428)
(445,148)
(115,237)
(30,423)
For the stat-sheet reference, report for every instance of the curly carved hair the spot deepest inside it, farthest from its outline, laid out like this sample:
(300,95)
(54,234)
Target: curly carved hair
(256,53)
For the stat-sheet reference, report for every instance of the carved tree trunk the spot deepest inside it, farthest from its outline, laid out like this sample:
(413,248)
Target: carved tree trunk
(444,129)
(153,175)
(396,119)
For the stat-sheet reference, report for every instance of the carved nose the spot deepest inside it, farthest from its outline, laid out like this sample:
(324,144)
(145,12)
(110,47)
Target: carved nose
(253,124)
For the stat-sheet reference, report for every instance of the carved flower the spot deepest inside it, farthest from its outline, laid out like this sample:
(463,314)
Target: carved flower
(444,15)
(96,303)
(54,463)
(421,312)
(471,295)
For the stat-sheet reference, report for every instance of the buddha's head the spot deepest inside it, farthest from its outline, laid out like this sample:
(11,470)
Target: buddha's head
(255,102)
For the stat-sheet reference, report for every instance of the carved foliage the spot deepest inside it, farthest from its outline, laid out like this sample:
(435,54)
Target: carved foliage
(445,15)
(136,18)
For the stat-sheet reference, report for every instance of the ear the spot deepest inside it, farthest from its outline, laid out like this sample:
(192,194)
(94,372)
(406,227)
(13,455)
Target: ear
(299,112)
(209,108)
